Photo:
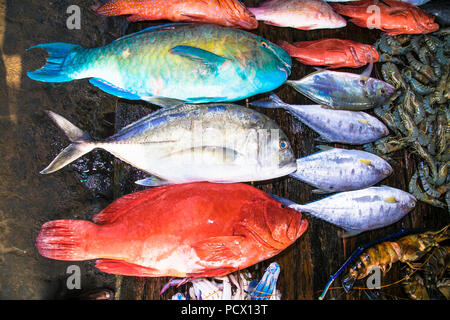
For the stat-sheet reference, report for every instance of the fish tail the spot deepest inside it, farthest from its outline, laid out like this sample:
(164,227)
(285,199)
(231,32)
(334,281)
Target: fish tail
(273,102)
(117,8)
(81,144)
(65,239)
(53,71)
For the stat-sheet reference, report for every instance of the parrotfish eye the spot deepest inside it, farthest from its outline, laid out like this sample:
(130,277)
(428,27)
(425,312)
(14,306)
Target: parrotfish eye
(264,44)
(283,145)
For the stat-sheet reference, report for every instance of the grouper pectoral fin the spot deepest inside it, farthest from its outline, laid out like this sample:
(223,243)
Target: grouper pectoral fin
(197,54)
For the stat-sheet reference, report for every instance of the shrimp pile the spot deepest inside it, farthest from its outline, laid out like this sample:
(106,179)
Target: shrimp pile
(418,113)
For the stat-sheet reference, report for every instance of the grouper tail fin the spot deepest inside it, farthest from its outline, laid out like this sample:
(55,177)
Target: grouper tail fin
(81,144)
(53,71)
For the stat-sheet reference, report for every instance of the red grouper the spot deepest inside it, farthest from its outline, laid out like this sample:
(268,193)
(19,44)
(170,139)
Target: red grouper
(332,53)
(189,230)
(395,17)
(228,13)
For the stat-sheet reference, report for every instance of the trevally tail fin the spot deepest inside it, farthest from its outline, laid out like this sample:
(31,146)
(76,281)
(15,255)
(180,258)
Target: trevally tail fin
(81,144)
(273,102)
(52,71)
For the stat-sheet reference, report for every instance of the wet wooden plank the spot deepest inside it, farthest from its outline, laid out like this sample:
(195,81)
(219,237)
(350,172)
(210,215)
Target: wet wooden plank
(307,264)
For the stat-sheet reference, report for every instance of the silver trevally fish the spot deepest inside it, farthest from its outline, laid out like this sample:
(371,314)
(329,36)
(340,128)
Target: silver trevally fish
(190,62)
(344,90)
(209,142)
(335,170)
(350,127)
(360,210)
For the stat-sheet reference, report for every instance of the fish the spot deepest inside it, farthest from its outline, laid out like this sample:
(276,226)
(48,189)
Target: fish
(206,142)
(299,14)
(393,17)
(227,13)
(189,230)
(174,63)
(440,9)
(359,210)
(344,90)
(337,170)
(332,53)
(414,2)
(343,126)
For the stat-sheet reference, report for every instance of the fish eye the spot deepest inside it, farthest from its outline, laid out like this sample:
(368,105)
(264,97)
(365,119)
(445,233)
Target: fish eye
(283,206)
(383,91)
(264,44)
(283,145)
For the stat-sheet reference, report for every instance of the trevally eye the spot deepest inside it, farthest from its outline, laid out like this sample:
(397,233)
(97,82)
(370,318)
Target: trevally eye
(283,144)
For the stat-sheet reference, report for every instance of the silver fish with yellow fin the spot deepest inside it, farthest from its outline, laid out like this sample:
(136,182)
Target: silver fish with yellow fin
(350,127)
(344,90)
(360,210)
(335,170)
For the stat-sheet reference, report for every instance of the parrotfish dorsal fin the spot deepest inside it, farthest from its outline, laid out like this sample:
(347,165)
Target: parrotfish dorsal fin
(162,27)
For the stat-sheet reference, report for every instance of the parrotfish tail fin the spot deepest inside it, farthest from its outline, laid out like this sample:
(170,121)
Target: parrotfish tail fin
(65,239)
(81,144)
(53,70)
(273,102)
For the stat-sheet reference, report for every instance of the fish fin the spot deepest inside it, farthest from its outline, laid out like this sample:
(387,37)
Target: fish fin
(220,153)
(391,200)
(52,71)
(273,102)
(269,23)
(81,144)
(212,273)
(152,182)
(205,99)
(365,75)
(161,27)
(366,122)
(349,233)
(119,207)
(282,200)
(321,191)
(366,162)
(125,268)
(402,13)
(197,54)
(113,8)
(65,239)
(195,17)
(137,17)
(112,89)
(219,248)
(324,147)
(164,102)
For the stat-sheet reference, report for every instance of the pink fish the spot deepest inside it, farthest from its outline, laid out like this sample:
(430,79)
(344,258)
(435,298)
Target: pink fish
(299,14)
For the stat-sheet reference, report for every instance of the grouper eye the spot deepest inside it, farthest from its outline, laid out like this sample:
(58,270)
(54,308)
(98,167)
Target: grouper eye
(283,145)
